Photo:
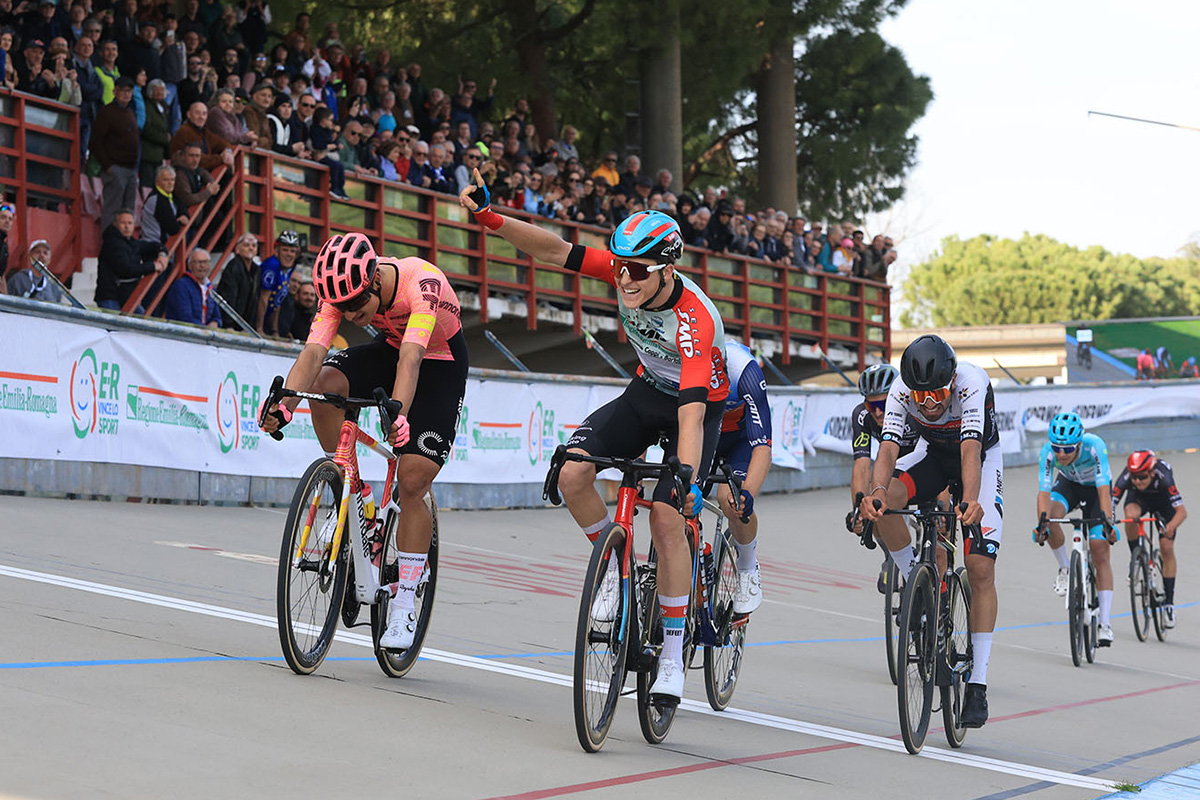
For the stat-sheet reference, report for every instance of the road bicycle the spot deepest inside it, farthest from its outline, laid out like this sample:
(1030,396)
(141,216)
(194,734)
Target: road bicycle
(1147,597)
(1083,603)
(329,542)
(1083,348)
(934,647)
(632,641)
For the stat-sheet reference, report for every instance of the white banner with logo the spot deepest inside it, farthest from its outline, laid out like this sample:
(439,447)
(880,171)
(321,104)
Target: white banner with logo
(79,393)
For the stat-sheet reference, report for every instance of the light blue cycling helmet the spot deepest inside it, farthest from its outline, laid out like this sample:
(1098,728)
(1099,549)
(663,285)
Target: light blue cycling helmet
(648,234)
(1066,429)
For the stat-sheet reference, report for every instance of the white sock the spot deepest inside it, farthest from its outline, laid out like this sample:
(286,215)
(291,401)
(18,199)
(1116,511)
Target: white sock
(673,611)
(1063,555)
(329,454)
(409,567)
(593,531)
(981,645)
(1105,598)
(903,559)
(747,555)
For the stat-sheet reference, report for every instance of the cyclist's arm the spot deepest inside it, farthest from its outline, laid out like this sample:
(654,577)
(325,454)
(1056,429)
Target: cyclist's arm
(1105,495)
(860,475)
(885,464)
(543,245)
(1176,519)
(408,368)
(760,465)
(1043,504)
(691,435)
(264,299)
(972,477)
(304,372)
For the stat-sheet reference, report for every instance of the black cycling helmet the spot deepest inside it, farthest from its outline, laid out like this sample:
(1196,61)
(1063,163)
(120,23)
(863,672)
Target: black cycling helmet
(928,363)
(876,379)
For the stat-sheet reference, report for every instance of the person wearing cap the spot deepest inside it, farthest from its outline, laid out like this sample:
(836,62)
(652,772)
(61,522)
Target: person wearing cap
(282,132)
(843,257)
(143,53)
(114,144)
(32,75)
(719,232)
(261,101)
(31,282)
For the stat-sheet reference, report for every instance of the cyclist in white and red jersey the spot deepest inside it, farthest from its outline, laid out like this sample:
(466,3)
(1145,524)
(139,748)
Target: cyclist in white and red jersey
(421,354)
(678,395)
(951,405)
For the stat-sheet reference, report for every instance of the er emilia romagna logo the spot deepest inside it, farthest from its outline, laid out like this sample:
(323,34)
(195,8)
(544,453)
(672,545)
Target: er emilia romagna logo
(95,405)
(237,414)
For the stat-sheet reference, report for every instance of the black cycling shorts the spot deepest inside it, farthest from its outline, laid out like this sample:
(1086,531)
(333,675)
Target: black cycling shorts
(1151,503)
(437,403)
(643,416)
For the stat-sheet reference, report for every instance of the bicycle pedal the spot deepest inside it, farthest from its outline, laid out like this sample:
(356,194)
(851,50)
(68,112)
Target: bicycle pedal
(664,701)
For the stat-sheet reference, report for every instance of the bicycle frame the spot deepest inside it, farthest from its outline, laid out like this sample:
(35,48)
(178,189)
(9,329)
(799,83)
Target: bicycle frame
(1080,543)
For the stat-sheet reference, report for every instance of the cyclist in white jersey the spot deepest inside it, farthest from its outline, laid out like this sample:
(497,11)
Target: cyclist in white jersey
(951,405)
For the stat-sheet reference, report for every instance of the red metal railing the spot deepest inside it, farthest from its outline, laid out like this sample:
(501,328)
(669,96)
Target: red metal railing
(269,192)
(39,167)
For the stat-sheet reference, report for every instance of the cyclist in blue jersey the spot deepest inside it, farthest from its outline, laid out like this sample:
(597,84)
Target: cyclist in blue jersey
(1083,481)
(273,286)
(745,444)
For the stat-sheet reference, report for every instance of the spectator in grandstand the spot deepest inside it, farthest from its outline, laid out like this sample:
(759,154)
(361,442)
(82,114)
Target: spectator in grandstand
(870,265)
(31,282)
(46,22)
(143,52)
(324,150)
(589,208)
(273,283)
(472,159)
(223,121)
(283,131)
(1145,365)
(32,75)
(240,281)
(843,257)
(190,298)
(114,144)
(305,309)
(90,88)
(200,84)
(566,143)
(124,261)
(156,133)
(105,61)
(297,39)
(340,70)
(1189,369)
(8,70)
(608,170)
(193,183)
(226,37)
(718,234)
(438,169)
(420,160)
(348,153)
(741,234)
(253,18)
(256,113)
(7,216)
(162,214)
(214,149)
(191,21)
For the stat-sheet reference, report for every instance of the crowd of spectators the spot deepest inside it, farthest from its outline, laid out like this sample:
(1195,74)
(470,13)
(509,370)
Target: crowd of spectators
(168,88)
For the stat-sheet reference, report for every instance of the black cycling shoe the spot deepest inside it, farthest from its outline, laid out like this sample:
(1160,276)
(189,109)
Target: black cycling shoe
(975,706)
(881,584)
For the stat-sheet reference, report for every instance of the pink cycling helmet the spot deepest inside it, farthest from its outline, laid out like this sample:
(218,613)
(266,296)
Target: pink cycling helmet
(345,268)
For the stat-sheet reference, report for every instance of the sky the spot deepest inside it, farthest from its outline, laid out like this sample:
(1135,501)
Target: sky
(1007,145)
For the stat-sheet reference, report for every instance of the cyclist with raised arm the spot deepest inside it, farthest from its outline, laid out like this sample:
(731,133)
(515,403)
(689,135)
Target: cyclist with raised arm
(420,353)
(953,408)
(745,444)
(678,395)
(1081,460)
(1152,490)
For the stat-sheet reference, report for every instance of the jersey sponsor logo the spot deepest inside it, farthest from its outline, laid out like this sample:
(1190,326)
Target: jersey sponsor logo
(431,443)
(862,440)
(431,290)
(685,336)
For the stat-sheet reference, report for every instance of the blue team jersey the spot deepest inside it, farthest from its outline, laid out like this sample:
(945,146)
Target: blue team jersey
(275,279)
(1090,467)
(746,407)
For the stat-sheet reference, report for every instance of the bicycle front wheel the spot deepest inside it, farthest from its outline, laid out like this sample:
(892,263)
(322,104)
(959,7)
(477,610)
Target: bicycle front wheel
(397,663)
(723,660)
(1075,620)
(600,646)
(891,621)
(918,658)
(1092,628)
(654,717)
(311,579)
(1139,594)
(958,654)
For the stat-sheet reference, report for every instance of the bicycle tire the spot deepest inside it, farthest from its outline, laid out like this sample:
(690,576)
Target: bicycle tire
(600,647)
(918,621)
(723,661)
(1139,593)
(959,655)
(310,585)
(1075,608)
(1156,605)
(654,718)
(1092,629)
(397,664)
(891,620)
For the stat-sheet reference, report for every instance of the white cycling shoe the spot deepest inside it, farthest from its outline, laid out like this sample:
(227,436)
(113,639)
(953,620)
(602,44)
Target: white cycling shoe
(1104,636)
(748,596)
(1168,616)
(1062,582)
(669,682)
(608,597)
(401,629)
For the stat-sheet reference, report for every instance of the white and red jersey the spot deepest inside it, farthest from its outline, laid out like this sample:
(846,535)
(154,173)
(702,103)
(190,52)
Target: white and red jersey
(425,311)
(970,414)
(681,345)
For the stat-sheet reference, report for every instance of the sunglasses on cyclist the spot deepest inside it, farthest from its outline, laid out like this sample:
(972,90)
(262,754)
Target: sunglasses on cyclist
(354,303)
(1065,449)
(635,269)
(927,397)
(877,405)
(1140,476)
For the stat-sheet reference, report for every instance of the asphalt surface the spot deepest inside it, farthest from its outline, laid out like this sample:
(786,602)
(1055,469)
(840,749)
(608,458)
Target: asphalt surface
(140,659)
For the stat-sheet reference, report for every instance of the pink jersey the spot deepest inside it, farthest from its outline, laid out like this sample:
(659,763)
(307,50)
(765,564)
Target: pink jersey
(425,311)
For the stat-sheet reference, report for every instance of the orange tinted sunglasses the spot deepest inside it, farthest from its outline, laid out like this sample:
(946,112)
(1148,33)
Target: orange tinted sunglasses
(924,398)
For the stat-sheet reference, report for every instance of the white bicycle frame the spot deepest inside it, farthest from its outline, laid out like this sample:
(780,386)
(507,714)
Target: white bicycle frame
(1081,543)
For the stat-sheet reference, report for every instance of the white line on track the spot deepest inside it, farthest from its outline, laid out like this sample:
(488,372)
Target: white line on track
(543,676)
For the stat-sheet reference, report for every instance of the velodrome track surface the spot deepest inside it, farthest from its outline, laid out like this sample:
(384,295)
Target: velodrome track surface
(140,660)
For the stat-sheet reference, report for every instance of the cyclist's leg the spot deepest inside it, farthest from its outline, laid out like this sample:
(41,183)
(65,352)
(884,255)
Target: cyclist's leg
(1062,500)
(981,561)
(1133,510)
(918,477)
(734,448)
(353,372)
(1101,553)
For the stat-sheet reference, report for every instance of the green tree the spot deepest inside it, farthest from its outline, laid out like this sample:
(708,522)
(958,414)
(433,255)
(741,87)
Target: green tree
(990,281)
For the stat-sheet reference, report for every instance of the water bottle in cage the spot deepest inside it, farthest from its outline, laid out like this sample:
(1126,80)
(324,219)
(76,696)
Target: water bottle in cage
(706,571)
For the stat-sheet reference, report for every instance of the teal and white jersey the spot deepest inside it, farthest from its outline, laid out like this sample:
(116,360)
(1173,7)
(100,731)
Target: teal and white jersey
(1090,467)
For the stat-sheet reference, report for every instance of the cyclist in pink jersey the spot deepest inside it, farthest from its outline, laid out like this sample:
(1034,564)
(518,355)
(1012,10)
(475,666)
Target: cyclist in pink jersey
(421,354)
(677,398)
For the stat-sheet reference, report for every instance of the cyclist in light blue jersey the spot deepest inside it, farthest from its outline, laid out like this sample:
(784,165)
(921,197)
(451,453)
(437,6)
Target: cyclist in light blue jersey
(1083,481)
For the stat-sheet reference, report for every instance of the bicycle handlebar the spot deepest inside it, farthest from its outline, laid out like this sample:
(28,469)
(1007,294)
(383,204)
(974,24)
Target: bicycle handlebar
(629,467)
(865,537)
(389,409)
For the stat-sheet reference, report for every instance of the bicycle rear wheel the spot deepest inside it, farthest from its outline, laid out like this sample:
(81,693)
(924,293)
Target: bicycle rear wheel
(600,647)
(723,661)
(958,654)
(918,659)
(891,621)
(1156,605)
(1139,594)
(311,581)
(1092,629)
(1075,609)
(654,717)
(397,663)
